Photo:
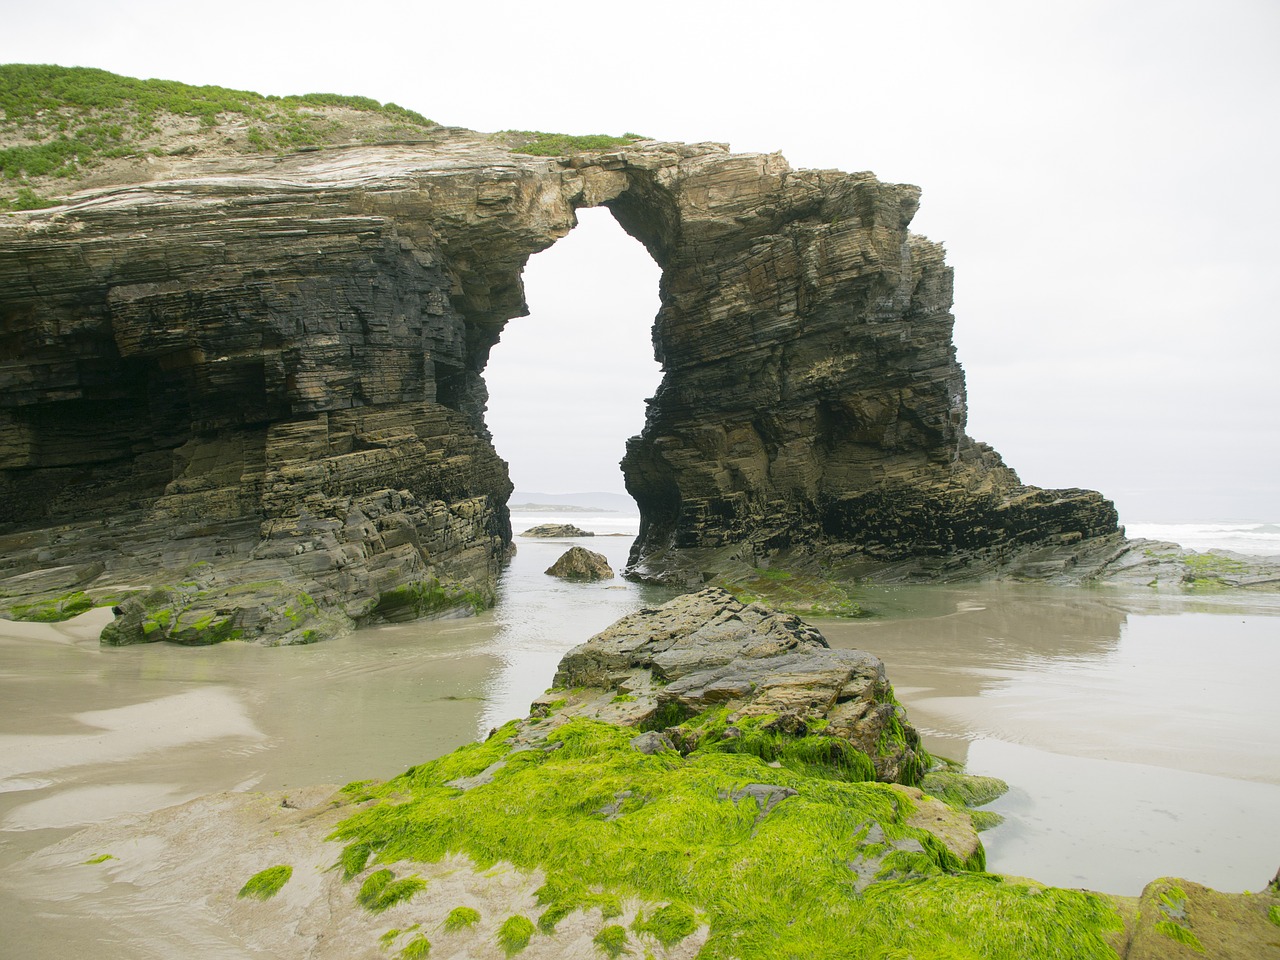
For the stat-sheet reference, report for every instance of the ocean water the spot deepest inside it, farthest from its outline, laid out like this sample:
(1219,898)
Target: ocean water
(602,524)
(1254,538)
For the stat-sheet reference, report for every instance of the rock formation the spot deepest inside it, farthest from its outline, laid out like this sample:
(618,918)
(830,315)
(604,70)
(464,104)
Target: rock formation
(706,650)
(251,395)
(556,530)
(579,563)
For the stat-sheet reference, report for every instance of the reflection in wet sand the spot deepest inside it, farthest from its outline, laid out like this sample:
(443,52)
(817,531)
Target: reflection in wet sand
(1081,822)
(89,729)
(1132,728)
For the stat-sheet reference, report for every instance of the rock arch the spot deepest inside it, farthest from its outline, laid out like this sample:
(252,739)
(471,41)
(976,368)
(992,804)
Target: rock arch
(287,358)
(812,407)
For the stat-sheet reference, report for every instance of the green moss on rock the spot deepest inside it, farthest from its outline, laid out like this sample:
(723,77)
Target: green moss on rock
(612,940)
(381,890)
(962,790)
(265,884)
(354,858)
(769,883)
(413,601)
(461,918)
(53,610)
(1179,934)
(669,924)
(417,948)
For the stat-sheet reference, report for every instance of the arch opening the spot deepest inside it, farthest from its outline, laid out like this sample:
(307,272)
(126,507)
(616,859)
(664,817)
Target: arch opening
(568,384)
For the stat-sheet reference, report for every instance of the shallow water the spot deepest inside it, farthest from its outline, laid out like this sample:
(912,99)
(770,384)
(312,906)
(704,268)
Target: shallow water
(1137,732)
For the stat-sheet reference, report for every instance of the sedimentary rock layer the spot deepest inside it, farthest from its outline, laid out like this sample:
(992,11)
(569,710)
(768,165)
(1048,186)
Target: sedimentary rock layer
(256,391)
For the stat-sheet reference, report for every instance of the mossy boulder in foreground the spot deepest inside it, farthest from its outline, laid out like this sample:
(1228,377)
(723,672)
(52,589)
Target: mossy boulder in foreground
(695,788)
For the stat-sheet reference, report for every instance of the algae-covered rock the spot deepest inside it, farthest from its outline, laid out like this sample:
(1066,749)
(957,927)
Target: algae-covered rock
(1181,919)
(1162,565)
(579,563)
(764,671)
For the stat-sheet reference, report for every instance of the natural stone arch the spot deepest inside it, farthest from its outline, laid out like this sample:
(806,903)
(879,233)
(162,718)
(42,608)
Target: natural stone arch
(811,405)
(326,320)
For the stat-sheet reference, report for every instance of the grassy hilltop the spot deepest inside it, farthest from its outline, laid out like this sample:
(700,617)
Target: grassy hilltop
(66,128)
(63,128)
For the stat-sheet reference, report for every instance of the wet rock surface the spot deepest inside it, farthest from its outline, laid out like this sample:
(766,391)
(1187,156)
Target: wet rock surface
(578,563)
(1162,565)
(707,650)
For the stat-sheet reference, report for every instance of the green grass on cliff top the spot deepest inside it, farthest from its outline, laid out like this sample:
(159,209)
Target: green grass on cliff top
(60,125)
(60,122)
(606,822)
(540,144)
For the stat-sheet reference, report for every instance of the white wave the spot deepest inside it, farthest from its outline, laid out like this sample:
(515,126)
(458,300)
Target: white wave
(1256,539)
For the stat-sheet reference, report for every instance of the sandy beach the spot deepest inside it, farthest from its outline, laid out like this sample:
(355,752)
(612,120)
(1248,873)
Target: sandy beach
(1133,729)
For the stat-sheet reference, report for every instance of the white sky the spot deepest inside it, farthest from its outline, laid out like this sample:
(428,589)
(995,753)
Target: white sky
(1104,174)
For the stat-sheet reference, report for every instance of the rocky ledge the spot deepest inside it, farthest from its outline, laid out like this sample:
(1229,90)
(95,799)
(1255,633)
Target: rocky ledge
(766,672)
(556,530)
(707,779)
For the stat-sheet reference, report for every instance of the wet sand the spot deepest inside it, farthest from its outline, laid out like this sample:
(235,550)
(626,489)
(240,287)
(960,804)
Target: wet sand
(1137,732)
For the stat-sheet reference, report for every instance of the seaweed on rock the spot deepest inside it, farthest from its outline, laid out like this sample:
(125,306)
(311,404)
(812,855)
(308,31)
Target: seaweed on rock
(767,883)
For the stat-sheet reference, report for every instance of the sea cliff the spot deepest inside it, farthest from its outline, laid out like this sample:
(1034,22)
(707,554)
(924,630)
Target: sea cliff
(244,396)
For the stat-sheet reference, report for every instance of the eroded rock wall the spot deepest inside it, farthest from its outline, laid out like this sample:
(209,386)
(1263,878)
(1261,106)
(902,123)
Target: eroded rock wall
(258,398)
(255,393)
(812,406)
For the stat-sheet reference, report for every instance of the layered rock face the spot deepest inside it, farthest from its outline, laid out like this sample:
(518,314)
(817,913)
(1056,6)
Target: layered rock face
(812,403)
(258,389)
(257,398)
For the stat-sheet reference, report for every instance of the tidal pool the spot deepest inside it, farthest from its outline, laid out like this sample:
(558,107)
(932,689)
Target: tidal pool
(1137,732)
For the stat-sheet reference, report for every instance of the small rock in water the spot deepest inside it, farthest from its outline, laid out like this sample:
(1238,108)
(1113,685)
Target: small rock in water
(579,563)
(557,530)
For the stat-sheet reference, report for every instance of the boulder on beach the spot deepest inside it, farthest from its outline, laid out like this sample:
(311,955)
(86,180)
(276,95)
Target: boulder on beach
(557,530)
(709,650)
(579,563)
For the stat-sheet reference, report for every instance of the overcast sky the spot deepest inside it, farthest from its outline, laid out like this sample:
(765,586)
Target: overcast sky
(1105,175)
